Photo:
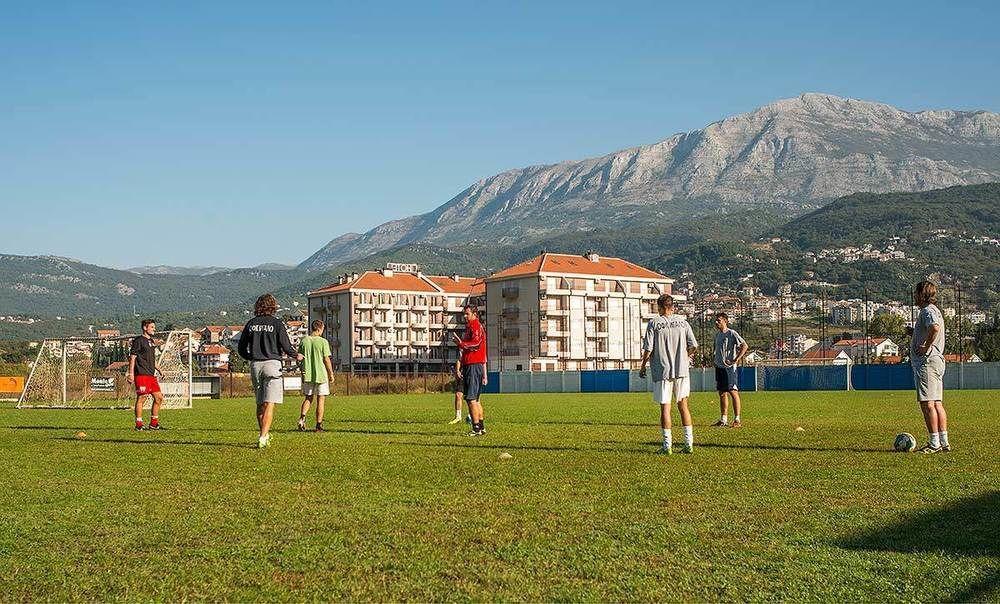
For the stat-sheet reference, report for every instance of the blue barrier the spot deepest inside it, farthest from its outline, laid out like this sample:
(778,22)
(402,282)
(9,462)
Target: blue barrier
(882,377)
(492,383)
(746,378)
(614,380)
(805,377)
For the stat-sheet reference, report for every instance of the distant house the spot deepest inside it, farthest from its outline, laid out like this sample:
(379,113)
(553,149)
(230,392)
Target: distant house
(754,356)
(832,356)
(108,333)
(858,349)
(967,358)
(212,334)
(212,358)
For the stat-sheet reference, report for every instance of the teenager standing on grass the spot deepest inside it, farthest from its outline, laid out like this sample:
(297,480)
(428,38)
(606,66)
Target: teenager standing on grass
(459,388)
(316,373)
(730,348)
(263,342)
(667,346)
(142,372)
(472,344)
(927,361)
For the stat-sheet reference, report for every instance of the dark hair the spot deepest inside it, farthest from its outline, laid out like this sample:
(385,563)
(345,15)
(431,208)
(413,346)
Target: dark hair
(317,324)
(146,322)
(471,307)
(925,293)
(721,315)
(265,305)
(665,301)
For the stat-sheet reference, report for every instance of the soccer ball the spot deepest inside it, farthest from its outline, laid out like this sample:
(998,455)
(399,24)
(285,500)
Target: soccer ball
(904,443)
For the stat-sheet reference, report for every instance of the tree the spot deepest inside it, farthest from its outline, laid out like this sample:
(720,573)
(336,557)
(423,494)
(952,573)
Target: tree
(886,325)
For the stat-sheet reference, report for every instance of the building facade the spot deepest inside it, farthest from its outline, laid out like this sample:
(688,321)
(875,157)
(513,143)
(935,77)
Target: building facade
(570,312)
(395,318)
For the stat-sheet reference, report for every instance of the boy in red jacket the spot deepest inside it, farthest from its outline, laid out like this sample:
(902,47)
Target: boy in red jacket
(473,346)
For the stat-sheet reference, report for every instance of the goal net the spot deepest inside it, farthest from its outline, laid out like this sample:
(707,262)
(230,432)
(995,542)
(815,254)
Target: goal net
(804,374)
(90,373)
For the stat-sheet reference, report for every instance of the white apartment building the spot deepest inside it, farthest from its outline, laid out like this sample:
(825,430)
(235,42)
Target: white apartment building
(394,318)
(572,312)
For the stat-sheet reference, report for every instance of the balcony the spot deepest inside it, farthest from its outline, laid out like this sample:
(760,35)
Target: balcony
(512,333)
(366,341)
(384,324)
(365,305)
(384,306)
(510,292)
(511,313)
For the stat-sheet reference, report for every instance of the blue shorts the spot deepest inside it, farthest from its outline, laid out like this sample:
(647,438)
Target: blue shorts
(472,381)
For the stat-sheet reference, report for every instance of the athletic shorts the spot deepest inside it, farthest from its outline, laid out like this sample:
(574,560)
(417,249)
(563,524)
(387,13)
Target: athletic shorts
(472,381)
(146,384)
(668,391)
(726,379)
(928,377)
(268,387)
(320,388)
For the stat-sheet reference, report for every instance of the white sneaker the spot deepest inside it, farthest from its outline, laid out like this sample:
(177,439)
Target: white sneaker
(455,421)
(263,441)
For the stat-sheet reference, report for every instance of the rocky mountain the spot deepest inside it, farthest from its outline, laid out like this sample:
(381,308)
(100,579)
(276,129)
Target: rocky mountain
(793,155)
(163,269)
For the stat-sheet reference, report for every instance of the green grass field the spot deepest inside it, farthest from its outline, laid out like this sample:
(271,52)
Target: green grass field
(392,504)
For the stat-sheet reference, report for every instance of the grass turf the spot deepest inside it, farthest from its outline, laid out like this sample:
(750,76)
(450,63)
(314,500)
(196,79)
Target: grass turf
(392,504)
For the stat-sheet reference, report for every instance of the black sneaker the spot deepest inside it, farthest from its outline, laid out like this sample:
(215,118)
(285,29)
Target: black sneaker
(477,433)
(319,428)
(929,448)
(153,427)
(139,427)
(302,426)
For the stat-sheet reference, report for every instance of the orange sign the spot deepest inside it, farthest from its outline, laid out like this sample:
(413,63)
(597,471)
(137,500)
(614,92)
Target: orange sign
(11,384)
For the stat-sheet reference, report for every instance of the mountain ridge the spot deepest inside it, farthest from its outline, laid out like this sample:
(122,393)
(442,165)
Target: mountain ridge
(793,153)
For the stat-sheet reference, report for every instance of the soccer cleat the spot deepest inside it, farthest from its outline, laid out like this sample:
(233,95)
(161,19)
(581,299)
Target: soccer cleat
(737,424)
(263,442)
(302,425)
(946,448)
(929,448)
(665,450)
(319,427)
(468,419)
(687,449)
(477,433)
(155,426)
(139,427)
(720,424)
(455,421)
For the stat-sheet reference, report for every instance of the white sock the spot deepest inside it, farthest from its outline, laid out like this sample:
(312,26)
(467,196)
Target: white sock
(458,414)
(689,435)
(935,439)
(138,419)
(736,418)
(668,438)
(725,419)
(943,437)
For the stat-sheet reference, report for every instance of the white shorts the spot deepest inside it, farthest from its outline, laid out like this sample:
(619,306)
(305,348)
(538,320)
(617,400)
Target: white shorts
(668,391)
(320,388)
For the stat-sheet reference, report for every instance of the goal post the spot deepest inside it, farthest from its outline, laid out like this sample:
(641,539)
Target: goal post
(90,373)
(804,374)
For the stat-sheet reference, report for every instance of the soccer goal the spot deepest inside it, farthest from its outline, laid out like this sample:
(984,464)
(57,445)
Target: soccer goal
(90,373)
(804,374)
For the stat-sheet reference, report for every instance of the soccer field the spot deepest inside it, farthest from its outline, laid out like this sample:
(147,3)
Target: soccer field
(392,504)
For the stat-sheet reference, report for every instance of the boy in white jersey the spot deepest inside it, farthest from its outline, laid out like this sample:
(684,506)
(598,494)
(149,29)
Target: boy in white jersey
(927,361)
(667,345)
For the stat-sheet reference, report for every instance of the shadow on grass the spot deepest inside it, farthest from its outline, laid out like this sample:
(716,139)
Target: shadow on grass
(793,448)
(386,432)
(349,420)
(966,527)
(127,441)
(479,444)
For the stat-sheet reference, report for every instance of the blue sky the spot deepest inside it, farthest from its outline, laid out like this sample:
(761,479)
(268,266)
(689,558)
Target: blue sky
(239,133)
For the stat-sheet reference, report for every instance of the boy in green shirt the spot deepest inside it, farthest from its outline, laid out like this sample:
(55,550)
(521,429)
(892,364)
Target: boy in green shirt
(316,373)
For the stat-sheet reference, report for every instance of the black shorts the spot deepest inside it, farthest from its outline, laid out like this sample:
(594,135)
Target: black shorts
(459,385)
(726,379)
(472,381)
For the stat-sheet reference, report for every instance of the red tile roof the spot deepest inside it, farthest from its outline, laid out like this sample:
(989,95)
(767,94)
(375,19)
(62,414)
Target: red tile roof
(410,282)
(571,264)
(859,341)
(213,349)
(822,353)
